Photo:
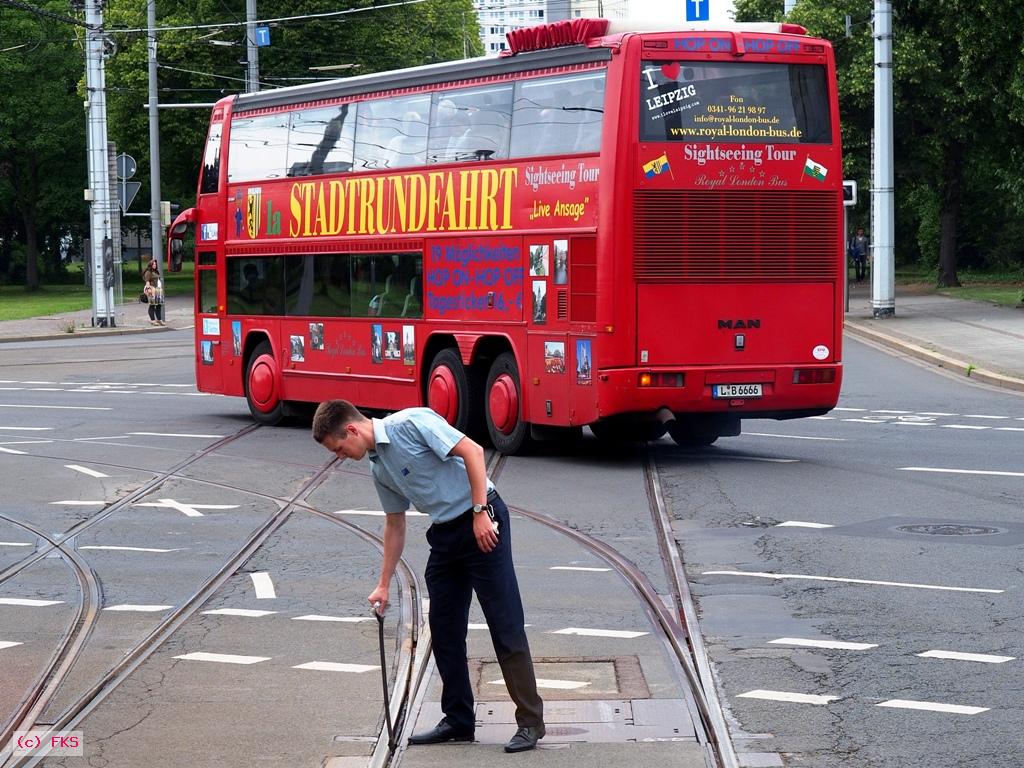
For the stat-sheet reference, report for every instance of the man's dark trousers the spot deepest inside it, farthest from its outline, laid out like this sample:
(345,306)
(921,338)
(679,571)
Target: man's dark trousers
(455,569)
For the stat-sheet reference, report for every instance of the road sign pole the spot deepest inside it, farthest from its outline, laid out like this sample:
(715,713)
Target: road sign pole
(156,230)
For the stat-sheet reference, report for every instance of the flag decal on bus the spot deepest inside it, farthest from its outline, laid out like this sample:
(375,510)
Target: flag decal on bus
(657,166)
(815,170)
(253,200)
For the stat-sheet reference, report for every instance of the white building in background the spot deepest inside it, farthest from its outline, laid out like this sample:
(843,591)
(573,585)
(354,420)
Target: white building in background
(498,17)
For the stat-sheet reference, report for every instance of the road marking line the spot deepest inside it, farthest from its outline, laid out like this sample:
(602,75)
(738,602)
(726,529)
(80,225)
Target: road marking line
(981,416)
(14,544)
(171,434)
(45,389)
(867,421)
(127,549)
(852,410)
(957,656)
(936,413)
(750,458)
(823,418)
(190,510)
(963,426)
(130,607)
(377,512)
(11,450)
(1009,429)
(79,503)
(37,382)
(797,437)
(851,581)
(12,389)
(24,442)
(28,429)
(838,645)
(85,470)
(28,602)
(577,568)
(802,524)
(562,685)
(8,644)
(343,619)
(59,407)
(914,423)
(796,698)
(962,471)
(223,658)
(110,437)
(930,706)
(238,612)
(263,584)
(881,411)
(332,666)
(584,632)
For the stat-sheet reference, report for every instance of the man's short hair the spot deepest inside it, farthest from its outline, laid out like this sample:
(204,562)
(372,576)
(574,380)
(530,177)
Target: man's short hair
(332,416)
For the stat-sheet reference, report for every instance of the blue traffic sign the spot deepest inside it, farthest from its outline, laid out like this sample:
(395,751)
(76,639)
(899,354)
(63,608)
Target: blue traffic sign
(263,34)
(698,10)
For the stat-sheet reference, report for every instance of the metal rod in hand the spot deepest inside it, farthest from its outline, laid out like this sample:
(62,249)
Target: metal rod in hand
(384,676)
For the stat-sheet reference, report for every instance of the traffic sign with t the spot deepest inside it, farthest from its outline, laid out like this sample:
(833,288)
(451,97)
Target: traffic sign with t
(698,10)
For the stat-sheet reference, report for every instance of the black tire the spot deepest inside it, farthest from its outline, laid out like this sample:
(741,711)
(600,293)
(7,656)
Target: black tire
(627,430)
(262,386)
(503,410)
(456,393)
(687,438)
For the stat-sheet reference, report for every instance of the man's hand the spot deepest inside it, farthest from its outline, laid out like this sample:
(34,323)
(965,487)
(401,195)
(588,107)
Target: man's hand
(379,595)
(483,530)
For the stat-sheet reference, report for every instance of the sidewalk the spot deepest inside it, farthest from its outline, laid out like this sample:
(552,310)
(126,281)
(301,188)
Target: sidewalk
(129,318)
(954,334)
(970,338)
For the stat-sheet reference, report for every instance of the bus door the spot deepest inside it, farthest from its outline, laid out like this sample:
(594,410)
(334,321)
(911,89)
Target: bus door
(213,353)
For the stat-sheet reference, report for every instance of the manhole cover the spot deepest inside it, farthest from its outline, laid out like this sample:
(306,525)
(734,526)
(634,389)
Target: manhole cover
(949,530)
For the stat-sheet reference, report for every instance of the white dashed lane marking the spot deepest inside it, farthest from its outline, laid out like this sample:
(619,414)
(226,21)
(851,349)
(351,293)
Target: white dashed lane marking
(130,607)
(223,658)
(263,585)
(803,524)
(788,696)
(342,619)
(7,644)
(984,658)
(238,612)
(869,582)
(585,632)
(27,429)
(996,473)
(932,706)
(838,645)
(28,602)
(15,544)
(127,549)
(578,568)
(85,470)
(332,666)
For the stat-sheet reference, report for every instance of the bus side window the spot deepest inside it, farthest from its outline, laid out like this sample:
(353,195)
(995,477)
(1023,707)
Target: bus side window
(210,179)
(258,147)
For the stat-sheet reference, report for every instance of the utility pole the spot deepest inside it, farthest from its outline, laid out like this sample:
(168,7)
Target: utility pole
(156,225)
(98,193)
(883,270)
(253,71)
(788,6)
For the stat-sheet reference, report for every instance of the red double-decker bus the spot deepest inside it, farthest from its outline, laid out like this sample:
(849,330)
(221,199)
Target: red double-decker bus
(635,230)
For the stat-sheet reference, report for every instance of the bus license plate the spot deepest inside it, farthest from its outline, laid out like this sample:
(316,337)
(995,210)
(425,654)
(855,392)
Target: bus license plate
(736,390)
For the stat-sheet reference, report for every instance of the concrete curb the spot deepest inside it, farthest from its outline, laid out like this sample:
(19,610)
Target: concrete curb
(935,358)
(83,333)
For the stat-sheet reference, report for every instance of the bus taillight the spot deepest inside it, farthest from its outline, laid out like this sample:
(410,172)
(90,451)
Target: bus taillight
(814,375)
(662,379)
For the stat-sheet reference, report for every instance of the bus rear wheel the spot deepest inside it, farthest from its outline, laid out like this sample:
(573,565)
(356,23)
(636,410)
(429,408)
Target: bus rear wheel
(684,437)
(505,426)
(625,430)
(262,386)
(455,392)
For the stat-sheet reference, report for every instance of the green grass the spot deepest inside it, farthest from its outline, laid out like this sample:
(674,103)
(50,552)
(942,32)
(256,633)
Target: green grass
(17,304)
(1003,288)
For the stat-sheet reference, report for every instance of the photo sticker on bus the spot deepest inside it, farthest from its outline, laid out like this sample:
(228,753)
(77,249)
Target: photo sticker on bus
(538,261)
(540,302)
(554,356)
(376,343)
(391,348)
(561,262)
(316,336)
(409,344)
(298,346)
(206,352)
(583,358)
(236,337)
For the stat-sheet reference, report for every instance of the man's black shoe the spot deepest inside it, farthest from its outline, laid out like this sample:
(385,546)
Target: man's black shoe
(525,738)
(441,733)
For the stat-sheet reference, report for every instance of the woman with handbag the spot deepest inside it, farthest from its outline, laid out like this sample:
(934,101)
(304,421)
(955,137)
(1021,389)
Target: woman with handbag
(154,291)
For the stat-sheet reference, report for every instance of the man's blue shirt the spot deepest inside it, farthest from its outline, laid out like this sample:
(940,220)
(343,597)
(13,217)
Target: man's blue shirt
(411,464)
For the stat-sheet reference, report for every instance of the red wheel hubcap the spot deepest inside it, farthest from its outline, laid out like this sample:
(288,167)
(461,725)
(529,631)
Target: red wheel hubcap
(443,393)
(262,383)
(503,404)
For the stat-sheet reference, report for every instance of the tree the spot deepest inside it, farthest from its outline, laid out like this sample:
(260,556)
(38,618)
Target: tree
(42,135)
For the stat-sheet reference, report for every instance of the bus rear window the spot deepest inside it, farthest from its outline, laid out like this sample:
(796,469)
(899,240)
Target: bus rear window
(734,102)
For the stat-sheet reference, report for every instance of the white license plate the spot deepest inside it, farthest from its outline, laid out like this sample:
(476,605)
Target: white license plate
(736,390)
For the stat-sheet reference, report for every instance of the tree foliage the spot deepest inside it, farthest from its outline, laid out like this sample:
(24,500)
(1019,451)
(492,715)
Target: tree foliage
(958,75)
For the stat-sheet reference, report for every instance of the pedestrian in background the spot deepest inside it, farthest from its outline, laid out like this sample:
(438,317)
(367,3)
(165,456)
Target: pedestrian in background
(859,253)
(154,291)
(418,458)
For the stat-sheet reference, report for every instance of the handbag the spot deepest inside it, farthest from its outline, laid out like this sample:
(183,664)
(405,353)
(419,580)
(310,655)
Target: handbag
(143,298)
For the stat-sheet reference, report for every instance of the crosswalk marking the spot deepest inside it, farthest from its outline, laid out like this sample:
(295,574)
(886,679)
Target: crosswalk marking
(932,706)
(222,658)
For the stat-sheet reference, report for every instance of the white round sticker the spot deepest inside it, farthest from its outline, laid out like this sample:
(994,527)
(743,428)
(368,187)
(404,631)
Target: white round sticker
(820,352)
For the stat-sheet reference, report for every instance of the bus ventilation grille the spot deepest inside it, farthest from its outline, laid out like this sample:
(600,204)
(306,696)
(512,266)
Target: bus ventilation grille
(729,236)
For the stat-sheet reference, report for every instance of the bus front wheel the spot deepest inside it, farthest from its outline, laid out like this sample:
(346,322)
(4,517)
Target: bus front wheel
(262,386)
(454,392)
(505,426)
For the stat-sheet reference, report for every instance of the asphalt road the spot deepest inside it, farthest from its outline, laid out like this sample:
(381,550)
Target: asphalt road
(922,550)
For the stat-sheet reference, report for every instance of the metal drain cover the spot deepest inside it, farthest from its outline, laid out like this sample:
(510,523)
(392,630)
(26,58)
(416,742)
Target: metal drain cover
(950,530)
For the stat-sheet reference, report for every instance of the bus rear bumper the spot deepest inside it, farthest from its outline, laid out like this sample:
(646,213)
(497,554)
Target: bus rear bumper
(623,390)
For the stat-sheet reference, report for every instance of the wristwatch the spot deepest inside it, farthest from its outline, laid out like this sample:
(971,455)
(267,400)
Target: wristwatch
(478,508)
